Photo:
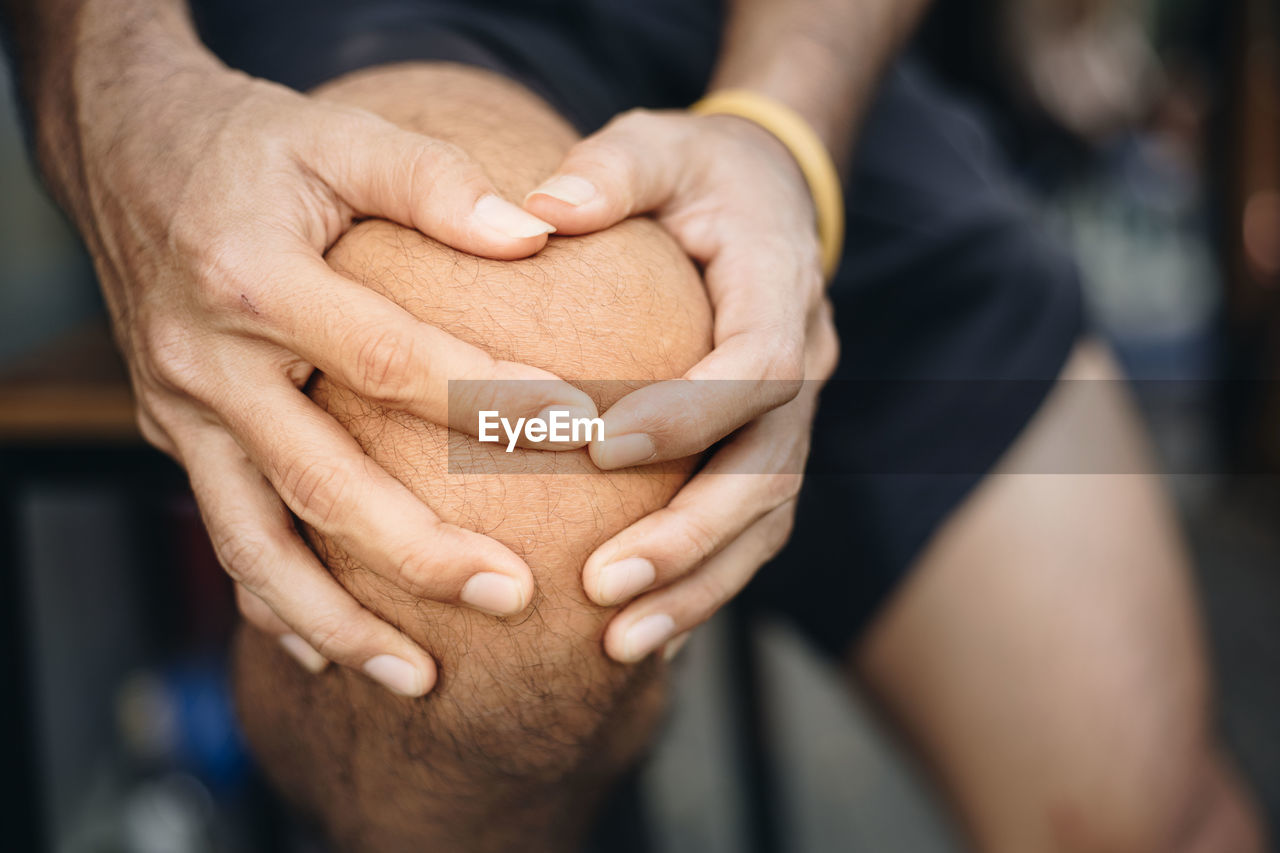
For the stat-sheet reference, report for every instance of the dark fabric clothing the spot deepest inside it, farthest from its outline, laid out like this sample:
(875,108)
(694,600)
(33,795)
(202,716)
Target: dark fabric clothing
(592,59)
(955,314)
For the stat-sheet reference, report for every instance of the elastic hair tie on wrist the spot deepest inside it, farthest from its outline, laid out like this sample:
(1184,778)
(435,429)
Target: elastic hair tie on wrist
(806,148)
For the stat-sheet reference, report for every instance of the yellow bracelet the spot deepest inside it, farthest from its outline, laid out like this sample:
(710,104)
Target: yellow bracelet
(807,149)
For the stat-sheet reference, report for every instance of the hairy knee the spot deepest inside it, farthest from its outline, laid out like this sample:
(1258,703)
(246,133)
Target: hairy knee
(526,702)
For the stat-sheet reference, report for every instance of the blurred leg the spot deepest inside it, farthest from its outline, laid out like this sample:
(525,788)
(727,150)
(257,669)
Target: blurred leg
(1046,658)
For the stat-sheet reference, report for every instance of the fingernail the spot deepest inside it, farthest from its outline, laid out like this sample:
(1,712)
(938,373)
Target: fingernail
(579,434)
(493,593)
(302,652)
(646,635)
(674,645)
(507,219)
(569,189)
(396,674)
(623,451)
(621,580)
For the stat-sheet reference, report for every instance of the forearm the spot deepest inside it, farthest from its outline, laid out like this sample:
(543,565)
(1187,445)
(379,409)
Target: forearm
(820,57)
(85,67)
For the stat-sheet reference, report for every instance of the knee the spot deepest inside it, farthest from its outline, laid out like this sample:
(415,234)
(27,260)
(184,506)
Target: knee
(533,696)
(1181,798)
(530,724)
(533,703)
(1218,813)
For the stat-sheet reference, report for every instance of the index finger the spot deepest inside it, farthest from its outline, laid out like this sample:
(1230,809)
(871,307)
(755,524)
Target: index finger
(322,474)
(256,543)
(372,346)
(761,304)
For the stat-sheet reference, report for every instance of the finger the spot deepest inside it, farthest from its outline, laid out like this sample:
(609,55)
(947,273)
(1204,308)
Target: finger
(761,296)
(374,347)
(426,184)
(324,477)
(822,351)
(153,433)
(756,472)
(631,166)
(712,511)
(260,615)
(675,645)
(256,543)
(649,622)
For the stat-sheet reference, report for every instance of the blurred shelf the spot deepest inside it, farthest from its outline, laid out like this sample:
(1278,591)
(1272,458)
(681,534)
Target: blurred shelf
(75,390)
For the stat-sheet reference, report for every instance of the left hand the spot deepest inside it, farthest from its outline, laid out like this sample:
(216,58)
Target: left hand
(735,200)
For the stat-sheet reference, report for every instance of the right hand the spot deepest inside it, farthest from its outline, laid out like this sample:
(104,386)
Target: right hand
(210,203)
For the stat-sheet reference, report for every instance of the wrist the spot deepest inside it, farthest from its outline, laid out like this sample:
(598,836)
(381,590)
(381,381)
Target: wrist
(98,69)
(803,72)
(778,155)
(825,121)
(805,150)
(821,58)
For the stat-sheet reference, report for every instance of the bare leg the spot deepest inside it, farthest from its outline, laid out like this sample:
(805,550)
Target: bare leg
(529,722)
(1046,656)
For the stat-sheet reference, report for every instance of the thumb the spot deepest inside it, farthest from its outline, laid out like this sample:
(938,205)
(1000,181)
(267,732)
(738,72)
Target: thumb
(629,167)
(432,186)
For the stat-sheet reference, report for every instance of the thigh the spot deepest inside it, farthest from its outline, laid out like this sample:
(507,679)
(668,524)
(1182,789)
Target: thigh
(956,314)
(1045,654)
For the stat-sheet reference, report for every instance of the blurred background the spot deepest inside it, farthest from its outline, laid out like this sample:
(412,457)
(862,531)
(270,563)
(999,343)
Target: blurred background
(1149,131)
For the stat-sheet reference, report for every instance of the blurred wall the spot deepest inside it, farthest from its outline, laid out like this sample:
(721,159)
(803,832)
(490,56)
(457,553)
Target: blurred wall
(46,282)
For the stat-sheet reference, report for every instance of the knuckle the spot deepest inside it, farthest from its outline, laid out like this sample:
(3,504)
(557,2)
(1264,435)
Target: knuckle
(700,540)
(315,490)
(384,364)
(168,357)
(611,153)
(785,364)
(432,155)
(784,489)
(441,177)
(430,159)
(224,293)
(151,431)
(635,120)
(242,553)
(219,269)
(413,572)
(330,634)
(604,155)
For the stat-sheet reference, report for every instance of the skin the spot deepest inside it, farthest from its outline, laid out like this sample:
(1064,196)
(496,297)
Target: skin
(1053,618)
(207,295)
(119,86)
(531,721)
(757,243)
(206,199)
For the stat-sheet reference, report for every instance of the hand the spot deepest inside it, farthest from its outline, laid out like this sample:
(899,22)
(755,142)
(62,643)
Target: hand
(211,202)
(733,197)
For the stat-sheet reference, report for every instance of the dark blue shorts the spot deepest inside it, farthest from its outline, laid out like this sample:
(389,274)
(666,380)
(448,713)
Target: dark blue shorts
(955,313)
